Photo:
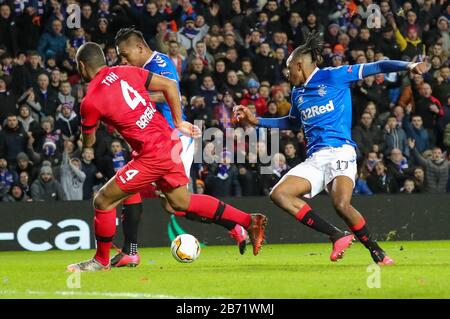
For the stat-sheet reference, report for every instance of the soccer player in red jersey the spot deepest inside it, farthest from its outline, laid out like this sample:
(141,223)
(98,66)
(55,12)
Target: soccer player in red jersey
(118,96)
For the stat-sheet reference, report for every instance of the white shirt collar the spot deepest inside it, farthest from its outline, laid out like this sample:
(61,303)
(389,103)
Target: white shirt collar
(310,76)
(150,58)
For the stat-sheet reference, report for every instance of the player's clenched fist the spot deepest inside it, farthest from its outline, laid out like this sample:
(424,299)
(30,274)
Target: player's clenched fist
(189,129)
(419,67)
(244,115)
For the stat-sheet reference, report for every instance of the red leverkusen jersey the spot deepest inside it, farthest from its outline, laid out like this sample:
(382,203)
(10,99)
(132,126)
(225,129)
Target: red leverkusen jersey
(118,96)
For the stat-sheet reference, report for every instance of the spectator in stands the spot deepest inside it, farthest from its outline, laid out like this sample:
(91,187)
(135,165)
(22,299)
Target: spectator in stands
(290,152)
(65,95)
(222,179)
(253,97)
(279,169)
(209,92)
(414,129)
(381,181)
(232,84)
(199,111)
(48,133)
(201,53)
(13,139)
(436,169)
(441,85)
(272,110)
(93,176)
(189,35)
(361,187)
(72,177)
(117,158)
(408,187)
(444,120)
(16,194)
(25,165)
(46,98)
(267,65)
(223,111)
(8,30)
(46,188)
(7,177)
(102,35)
(27,118)
(177,58)
(246,73)
(53,43)
(7,100)
(34,67)
(397,166)
(191,82)
(25,183)
(67,123)
(88,19)
(283,105)
(394,137)
(367,136)
(411,45)
(429,108)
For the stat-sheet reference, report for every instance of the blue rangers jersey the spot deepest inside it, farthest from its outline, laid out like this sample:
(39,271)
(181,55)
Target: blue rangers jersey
(324,106)
(161,64)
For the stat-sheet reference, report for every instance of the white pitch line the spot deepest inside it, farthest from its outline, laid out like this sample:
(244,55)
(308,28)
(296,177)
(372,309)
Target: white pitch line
(134,295)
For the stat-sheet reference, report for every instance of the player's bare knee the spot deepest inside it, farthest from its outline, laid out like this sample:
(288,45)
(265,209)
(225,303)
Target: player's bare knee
(100,201)
(278,195)
(179,205)
(342,206)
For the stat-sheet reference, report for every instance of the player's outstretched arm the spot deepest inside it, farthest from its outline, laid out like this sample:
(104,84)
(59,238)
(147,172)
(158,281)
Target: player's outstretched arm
(243,114)
(88,139)
(387,66)
(170,90)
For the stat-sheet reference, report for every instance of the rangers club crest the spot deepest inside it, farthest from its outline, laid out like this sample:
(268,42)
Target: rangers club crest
(322,90)
(300,99)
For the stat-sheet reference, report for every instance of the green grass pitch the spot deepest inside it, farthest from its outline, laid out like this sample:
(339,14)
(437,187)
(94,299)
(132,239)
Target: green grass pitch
(422,270)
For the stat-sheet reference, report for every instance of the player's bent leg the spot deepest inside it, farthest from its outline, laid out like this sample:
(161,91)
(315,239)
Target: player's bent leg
(341,189)
(105,203)
(236,231)
(286,196)
(211,208)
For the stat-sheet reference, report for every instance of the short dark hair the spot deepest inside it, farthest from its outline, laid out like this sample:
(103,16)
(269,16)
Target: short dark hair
(91,54)
(126,33)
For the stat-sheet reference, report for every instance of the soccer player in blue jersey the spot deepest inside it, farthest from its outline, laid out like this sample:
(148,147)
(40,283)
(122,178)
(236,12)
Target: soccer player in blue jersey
(133,50)
(321,103)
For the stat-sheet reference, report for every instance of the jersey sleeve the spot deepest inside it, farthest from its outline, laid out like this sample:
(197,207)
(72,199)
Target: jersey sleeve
(90,117)
(142,75)
(342,76)
(294,114)
(169,71)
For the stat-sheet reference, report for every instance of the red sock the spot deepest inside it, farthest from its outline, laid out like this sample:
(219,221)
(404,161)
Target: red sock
(302,212)
(212,208)
(105,228)
(358,226)
(180,214)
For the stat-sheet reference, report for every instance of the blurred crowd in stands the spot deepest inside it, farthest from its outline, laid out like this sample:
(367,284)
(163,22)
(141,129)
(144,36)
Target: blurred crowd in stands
(227,52)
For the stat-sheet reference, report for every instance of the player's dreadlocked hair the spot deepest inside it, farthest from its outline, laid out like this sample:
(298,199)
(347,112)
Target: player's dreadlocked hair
(313,46)
(125,33)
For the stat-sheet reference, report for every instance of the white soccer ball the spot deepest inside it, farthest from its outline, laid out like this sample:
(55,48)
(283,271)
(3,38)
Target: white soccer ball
(185,248)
